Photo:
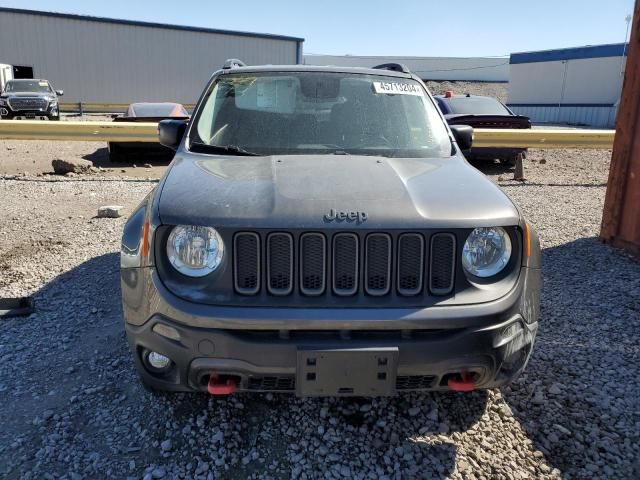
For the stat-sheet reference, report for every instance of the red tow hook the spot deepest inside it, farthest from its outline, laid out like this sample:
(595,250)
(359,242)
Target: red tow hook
(218,386)
(465,384)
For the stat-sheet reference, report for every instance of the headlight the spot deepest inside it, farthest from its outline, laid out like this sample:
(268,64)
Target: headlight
(3,102)
(195,251)
(486,251)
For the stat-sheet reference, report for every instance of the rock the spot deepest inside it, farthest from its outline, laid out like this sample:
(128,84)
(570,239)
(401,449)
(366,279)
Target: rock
(166,445)
(555,389)
(148,165)
(543,161)
(413,411)
(76,165)
(159,472)
(110,211)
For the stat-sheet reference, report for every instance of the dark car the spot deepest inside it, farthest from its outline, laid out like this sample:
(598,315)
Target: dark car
(29,99)
(145,112)
(482,112)
(319,232)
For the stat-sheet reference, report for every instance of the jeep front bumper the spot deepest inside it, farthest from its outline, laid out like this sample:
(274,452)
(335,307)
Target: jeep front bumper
(259,348)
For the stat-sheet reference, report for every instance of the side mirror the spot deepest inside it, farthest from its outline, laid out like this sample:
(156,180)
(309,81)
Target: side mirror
(170,132)
(59,93)
(463,135)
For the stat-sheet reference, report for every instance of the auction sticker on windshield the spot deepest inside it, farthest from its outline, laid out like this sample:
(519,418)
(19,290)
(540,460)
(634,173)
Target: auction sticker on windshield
(397,88)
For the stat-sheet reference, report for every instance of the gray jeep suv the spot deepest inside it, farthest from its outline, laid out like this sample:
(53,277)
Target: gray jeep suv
(319,232)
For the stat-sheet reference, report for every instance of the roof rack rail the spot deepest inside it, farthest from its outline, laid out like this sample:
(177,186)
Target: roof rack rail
(233,63)
(395,67)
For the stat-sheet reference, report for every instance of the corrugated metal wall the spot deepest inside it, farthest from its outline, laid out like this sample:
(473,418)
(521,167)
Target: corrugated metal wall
(486,69)
(95,61)
(574,91)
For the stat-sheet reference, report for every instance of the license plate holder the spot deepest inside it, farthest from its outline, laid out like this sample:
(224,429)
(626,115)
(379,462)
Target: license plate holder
(347,372)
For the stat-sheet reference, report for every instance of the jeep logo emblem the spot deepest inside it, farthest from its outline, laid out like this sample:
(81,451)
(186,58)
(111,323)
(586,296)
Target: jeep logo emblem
(351,216)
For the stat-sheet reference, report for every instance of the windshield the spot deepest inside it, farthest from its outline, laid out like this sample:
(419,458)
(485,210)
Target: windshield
(321,112)
(477,106)
(35,86)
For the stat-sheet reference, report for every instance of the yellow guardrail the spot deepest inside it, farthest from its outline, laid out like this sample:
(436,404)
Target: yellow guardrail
(147,132)
(543,138)
(79,131)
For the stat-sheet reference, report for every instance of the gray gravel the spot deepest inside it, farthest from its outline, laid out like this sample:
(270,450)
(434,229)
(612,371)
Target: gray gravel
(72,408)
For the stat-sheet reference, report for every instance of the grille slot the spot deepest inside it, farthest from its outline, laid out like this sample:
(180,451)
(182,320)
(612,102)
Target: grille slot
(442,265)
(410,264)
(345,264)
(414,382)
(246,263)
(378,264)
(280,263)
(313,263)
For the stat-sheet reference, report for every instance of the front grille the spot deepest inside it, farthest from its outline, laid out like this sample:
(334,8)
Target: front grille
(28,103)
(272,383)
(410,263)
(288,383)
(247,263)
(343,265)
(443,246)
(280,263)
(414,382)
(378,264)
(313,263)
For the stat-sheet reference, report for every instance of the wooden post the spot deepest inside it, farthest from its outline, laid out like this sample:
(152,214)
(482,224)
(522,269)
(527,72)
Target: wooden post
(621,215)
(518,172)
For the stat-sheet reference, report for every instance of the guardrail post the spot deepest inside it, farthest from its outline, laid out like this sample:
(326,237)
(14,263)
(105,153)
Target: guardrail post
(518,173)
(81,110)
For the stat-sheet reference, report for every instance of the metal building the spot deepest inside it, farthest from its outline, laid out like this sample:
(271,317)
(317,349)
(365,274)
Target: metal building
(576,86)
(484,69)
(119,61)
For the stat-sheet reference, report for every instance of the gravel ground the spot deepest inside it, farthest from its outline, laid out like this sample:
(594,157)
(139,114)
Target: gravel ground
(72,407)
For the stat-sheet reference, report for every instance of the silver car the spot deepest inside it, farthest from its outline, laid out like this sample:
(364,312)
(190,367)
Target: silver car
(319,232)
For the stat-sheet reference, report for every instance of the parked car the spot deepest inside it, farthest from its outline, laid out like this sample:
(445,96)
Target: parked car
(145,112)
(482,112)
(320,232)
(29,99)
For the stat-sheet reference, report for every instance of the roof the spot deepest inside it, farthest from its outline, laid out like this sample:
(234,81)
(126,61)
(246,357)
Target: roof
(588,51)
(136,23)
(317,68)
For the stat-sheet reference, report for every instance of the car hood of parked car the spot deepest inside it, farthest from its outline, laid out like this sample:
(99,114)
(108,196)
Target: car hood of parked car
(307,191)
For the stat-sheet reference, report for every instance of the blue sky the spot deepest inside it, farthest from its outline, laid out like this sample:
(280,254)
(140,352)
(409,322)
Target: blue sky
(407,27)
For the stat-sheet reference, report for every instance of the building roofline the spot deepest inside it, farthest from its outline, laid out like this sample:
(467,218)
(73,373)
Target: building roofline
(587,51)
(72,16)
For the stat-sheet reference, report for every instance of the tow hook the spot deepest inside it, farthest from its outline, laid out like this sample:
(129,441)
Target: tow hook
(221,385)
(465,382)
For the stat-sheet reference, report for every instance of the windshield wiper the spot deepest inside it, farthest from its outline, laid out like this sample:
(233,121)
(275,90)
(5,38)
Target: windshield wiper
(229,149)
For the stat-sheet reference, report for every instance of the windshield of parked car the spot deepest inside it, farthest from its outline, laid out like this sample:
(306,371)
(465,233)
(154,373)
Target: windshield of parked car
(476,106)
(157,110)
(35,86)
(320,113)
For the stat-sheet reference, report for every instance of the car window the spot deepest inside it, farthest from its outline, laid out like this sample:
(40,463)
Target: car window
(476,106)
(321,112)
(35,86)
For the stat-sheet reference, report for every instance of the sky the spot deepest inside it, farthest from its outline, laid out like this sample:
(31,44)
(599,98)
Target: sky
(396,28)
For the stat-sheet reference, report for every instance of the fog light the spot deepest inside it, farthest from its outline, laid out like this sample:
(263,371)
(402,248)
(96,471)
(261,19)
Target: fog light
(158,361)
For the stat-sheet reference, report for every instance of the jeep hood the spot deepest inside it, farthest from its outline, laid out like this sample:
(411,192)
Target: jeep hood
(297,191)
